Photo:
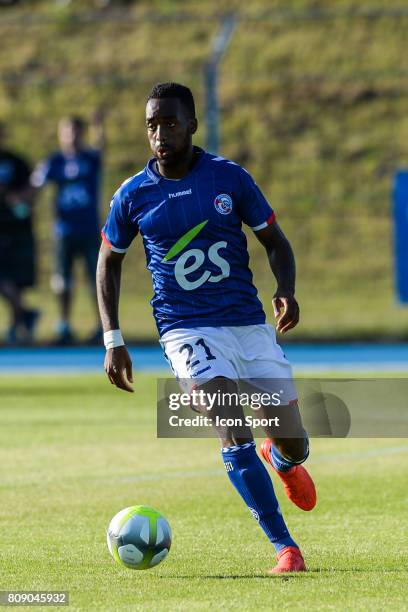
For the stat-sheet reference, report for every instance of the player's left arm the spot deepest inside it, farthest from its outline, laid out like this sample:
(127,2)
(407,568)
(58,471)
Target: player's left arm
(282,263)
(98,132)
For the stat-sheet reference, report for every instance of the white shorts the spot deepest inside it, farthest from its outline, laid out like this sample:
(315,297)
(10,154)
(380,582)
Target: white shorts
(248,353)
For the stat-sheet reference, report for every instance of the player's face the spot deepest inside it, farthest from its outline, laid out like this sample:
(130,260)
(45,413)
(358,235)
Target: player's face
(169,130)
(69,134)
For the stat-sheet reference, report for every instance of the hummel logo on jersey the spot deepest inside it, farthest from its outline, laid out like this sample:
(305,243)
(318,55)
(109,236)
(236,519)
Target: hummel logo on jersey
(178,194)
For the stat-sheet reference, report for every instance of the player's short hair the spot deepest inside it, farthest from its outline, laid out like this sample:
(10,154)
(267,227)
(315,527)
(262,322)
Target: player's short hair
(76,121)
(174,90)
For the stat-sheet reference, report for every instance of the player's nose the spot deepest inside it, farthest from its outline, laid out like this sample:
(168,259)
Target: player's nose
(164,134)
(161,136)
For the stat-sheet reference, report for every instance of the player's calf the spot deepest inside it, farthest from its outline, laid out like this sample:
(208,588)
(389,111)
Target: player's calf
(288,452)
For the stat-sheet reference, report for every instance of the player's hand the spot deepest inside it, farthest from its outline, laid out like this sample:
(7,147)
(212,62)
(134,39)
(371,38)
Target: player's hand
(118,367)
(98,117)
(286,311)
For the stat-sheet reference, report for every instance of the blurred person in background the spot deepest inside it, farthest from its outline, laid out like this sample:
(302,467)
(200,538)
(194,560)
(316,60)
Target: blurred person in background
(17,252)
(75,171)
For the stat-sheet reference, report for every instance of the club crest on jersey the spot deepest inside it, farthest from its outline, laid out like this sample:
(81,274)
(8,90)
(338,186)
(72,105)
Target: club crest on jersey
(223,204)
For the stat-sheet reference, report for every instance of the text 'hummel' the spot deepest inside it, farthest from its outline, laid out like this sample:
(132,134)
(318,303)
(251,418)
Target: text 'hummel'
(178,194)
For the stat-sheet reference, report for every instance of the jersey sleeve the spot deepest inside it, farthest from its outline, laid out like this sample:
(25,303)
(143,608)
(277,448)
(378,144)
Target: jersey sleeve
(119,230)
(254,209)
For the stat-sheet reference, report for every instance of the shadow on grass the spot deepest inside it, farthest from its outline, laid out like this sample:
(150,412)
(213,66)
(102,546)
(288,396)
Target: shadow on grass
(350,570)
(311,573)
(235,577)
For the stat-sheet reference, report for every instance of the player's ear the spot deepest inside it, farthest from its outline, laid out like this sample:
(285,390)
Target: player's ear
(193,125)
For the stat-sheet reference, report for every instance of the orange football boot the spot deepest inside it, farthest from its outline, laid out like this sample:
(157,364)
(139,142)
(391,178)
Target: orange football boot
(289,560)
(298,485)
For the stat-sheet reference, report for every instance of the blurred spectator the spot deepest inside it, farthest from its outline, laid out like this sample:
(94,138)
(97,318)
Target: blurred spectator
(76,172)
(17,254)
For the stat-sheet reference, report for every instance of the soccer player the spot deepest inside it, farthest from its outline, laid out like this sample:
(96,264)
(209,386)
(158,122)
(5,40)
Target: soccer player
(189,207)
(76,172)
(17,252)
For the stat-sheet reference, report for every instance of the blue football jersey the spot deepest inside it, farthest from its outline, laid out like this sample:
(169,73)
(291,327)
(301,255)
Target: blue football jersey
(195,248)
(77,180)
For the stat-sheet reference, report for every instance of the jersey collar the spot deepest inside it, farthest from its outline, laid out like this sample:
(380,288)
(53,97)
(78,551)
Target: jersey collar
(156,177)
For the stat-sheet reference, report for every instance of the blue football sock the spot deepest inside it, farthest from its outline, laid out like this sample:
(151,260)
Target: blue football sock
(250,478)
(283,464)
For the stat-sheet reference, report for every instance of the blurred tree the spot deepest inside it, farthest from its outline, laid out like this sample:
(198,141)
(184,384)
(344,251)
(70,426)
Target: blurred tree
(98,3)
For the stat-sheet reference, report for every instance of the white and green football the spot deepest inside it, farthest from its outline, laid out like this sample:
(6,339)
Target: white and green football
(139,537)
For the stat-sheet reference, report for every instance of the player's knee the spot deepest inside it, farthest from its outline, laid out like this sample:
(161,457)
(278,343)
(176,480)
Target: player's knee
(227,442)
(228,437)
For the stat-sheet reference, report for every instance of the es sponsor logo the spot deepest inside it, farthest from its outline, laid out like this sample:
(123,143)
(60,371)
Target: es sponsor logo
(193,259)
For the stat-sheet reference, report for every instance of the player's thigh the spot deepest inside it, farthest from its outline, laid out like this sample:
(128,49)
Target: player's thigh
(17,256)
(23,259)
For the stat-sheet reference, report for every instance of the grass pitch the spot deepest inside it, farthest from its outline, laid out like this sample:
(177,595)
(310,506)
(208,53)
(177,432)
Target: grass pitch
(74,451)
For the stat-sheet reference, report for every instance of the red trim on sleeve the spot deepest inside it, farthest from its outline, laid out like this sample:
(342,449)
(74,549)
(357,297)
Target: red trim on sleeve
(105,240)
(271,219)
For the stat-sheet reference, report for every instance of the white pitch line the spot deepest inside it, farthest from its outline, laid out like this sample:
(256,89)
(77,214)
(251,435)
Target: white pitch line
(368,454)
(184,474)
(362,367)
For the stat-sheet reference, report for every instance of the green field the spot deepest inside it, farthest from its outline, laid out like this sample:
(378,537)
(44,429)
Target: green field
(315,108)
(74,451)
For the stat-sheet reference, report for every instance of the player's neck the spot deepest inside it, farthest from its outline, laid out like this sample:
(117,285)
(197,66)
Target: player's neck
(71,150)
(180,170)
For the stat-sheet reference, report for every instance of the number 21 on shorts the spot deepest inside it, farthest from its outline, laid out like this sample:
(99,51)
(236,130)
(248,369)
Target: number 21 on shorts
(190,351)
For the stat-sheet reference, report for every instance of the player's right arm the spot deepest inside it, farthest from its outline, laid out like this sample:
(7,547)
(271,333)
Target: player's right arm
(117,234)
(118,365)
